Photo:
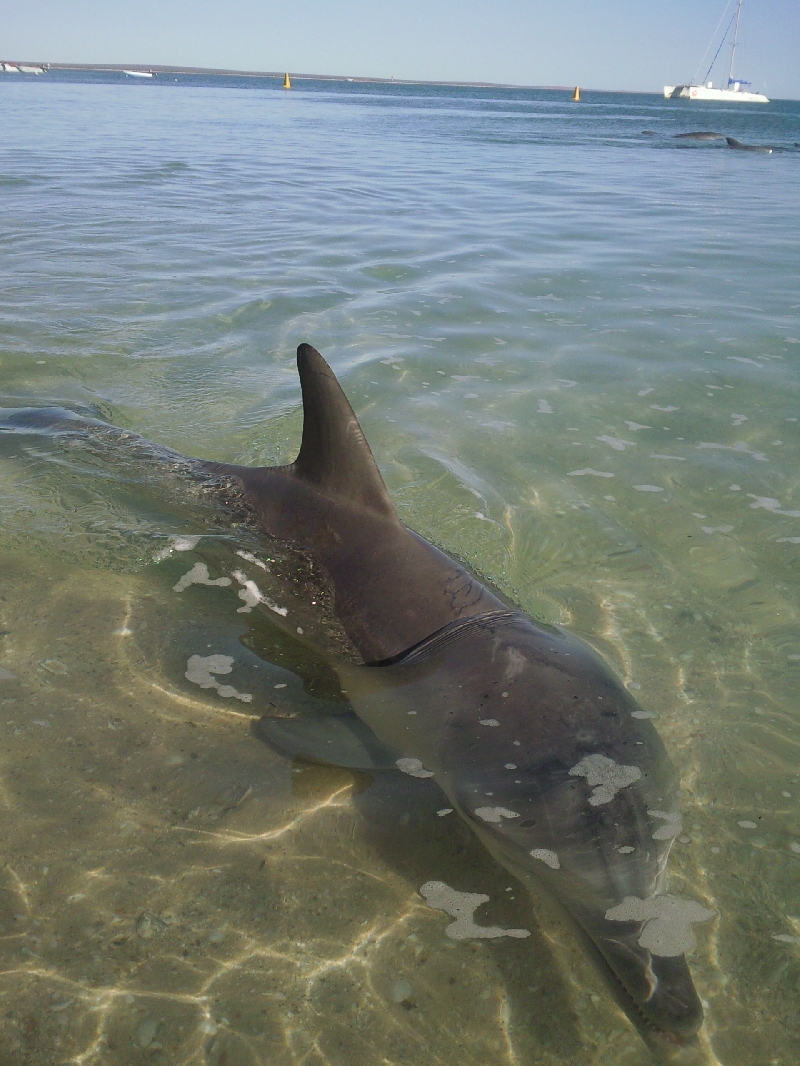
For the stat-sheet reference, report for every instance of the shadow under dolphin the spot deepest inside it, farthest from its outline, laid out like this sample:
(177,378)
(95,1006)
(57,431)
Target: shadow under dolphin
(536,744)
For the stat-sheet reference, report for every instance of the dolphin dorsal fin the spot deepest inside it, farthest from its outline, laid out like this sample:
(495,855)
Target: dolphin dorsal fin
(334,455)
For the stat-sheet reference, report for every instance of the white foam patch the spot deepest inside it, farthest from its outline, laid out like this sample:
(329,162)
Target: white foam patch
(445,811)
(588,470)
(544,408)
(767,503)
(742,359)
(788,540)
(677,458)
(641,714)
(413,767)
(6,675)
(738,420)
(745,824)
(488,721)
(494,814)
(250,558)
(741,448)
(648,488)
(199,575)
(645,392)
(633,426)
(176,544)
(672,824)
(627,850)
(655,407)
(717,529)
(499,426)
(200,671)
(605,777)
(462,907)
(785,938)
(565,383)
(667,922)
(615,442)
(252,596)
(549,858)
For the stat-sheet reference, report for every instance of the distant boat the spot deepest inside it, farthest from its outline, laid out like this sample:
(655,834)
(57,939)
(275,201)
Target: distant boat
(732,90)
(31,70)
(9,68)
(138,73)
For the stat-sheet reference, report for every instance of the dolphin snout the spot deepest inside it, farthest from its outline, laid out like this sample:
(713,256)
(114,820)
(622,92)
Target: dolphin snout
(674,1006)
(660,987)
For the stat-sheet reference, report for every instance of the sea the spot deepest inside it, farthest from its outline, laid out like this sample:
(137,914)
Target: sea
(571,337)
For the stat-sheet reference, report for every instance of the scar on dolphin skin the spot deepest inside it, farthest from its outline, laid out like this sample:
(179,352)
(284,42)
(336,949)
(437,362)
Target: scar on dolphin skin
(462,907)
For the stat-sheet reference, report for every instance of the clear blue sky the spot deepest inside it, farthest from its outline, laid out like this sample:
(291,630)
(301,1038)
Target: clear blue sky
(603,44)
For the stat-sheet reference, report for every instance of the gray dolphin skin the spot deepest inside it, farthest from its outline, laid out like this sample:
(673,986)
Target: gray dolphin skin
(534,741)
(700,135)
(733,143)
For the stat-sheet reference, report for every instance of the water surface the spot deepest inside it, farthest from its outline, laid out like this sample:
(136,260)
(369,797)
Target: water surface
(574,350)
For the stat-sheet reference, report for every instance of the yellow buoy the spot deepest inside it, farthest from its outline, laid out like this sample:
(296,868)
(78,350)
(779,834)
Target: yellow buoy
(286,83)
(576,96)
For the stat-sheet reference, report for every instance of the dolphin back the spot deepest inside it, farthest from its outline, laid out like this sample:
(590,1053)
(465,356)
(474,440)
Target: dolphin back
(391,587)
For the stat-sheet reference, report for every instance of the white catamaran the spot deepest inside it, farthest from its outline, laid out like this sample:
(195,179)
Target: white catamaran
(733,88)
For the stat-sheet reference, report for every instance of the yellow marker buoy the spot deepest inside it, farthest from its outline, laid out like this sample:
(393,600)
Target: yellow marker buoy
(576,96)
(286,83)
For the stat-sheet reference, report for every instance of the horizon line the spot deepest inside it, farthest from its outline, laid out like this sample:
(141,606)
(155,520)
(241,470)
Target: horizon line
(157,68)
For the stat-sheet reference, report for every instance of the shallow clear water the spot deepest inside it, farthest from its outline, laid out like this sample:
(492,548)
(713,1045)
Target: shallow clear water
(574,350)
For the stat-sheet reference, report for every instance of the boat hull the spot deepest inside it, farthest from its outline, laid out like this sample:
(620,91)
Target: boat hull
(703,92)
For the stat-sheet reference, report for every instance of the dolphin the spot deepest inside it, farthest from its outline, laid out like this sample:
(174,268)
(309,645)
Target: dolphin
(536,744)
(733,143)
(700,135)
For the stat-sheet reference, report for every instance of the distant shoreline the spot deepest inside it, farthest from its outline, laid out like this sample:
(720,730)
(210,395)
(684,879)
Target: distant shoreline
(218,72)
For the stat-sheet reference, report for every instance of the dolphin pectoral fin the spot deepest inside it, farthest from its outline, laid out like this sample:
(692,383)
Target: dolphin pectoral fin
(339,740)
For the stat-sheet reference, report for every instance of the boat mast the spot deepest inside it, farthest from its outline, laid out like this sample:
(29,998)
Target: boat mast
(735,37)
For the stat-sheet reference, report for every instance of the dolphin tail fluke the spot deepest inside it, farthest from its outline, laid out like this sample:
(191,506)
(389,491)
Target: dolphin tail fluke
(334,455)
